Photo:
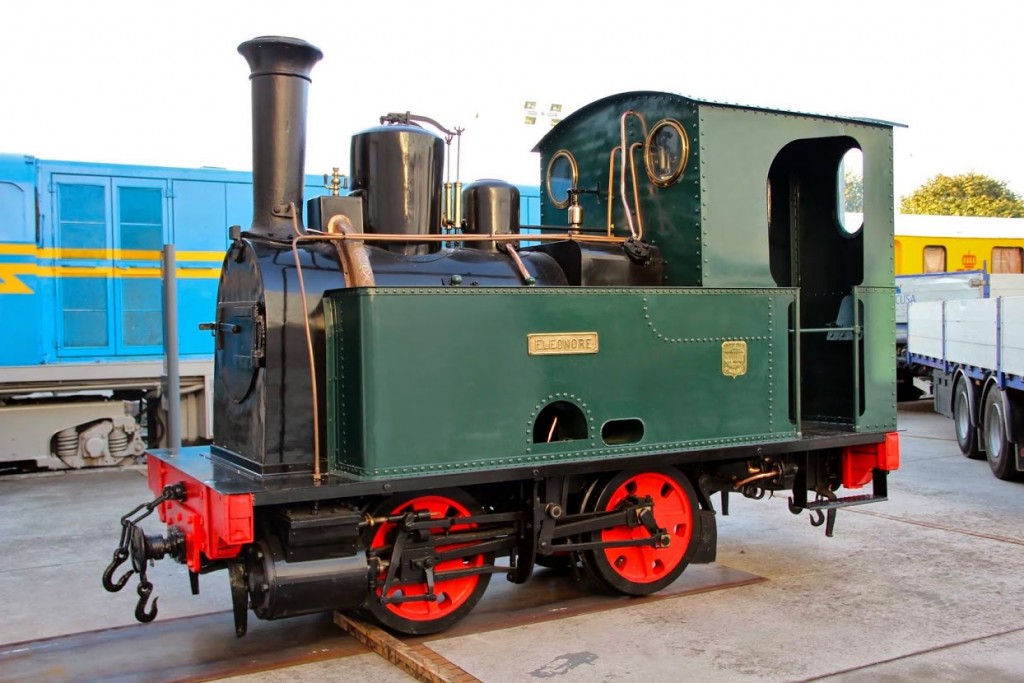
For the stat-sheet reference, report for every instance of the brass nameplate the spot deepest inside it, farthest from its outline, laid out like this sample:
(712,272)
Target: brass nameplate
(734,358)
(561,343)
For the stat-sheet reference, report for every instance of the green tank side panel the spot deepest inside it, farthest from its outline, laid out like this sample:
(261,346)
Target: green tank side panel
(479,392)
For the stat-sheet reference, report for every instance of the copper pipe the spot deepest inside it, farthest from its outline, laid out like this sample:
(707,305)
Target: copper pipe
(643,123)
(309,345)
(551,432)
(636,191)
(388,237)
(356,261)
(762,475)
(611,188)
(634,233)
(357,273)
(623,197)
(523,272)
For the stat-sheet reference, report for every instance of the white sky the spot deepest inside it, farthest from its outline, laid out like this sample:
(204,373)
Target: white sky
(162,83)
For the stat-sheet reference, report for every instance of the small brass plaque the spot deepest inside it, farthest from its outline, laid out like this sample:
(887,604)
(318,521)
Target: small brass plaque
(561,343)
(734,358)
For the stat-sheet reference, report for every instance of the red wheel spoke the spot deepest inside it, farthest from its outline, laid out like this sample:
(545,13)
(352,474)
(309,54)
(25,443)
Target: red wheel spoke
(649,556)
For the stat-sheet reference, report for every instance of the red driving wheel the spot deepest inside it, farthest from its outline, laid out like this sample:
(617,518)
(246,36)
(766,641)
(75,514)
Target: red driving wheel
(455,597)
(643,569)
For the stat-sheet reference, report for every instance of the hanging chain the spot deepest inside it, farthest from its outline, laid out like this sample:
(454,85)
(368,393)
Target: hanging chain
(129,522)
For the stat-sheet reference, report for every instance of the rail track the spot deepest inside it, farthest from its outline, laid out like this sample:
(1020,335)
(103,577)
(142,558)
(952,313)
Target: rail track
(202,647)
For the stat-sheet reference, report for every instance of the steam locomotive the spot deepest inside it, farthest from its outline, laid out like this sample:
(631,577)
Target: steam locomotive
(414,392)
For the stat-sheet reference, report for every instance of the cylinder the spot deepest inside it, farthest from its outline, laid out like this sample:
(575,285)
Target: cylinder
(490,207)
(280,589)
(280,69)
(397,169)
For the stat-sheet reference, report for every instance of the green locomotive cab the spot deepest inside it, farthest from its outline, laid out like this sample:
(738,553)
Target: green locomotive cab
(742,197)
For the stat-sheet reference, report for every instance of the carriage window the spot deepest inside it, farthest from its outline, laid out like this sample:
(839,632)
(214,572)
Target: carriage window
(84,308)
(850,182)
(563,174)
(141,213)
(142,306)
(666,152)
(1007,260)
(934,259)
(82,212)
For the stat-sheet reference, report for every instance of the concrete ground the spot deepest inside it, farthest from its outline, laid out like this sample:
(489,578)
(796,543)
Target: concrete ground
(922,587)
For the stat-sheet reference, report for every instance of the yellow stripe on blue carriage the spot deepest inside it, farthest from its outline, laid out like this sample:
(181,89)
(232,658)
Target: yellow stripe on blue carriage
(40,262)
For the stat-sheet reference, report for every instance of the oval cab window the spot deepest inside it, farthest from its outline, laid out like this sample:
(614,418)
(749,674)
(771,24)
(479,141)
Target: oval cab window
(563,174)
(666,152)
(851,192)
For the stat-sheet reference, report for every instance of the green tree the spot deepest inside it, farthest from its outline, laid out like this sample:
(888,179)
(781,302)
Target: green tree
(969,194)
(853,191)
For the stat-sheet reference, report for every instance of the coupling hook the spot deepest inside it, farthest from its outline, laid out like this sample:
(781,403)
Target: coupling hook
(120,555)
(145,589)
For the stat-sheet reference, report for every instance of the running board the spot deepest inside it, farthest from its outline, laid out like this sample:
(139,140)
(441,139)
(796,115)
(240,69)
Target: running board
(826,504)
(823,510)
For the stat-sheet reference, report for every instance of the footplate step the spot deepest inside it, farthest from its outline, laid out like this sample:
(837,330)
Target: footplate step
(826,504)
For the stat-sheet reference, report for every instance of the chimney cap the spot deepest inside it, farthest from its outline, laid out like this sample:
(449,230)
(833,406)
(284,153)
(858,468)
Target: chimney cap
(280,55)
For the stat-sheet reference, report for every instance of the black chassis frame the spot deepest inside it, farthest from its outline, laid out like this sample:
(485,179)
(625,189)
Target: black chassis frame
(228,478)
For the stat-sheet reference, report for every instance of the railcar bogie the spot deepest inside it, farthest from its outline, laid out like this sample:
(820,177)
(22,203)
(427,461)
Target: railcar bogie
(406,404)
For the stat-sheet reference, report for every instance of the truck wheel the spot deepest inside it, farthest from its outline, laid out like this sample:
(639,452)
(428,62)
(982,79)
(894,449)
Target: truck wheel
(999,450)
(966,433)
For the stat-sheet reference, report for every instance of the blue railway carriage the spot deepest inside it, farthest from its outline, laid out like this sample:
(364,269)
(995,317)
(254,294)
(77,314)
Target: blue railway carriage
(81,365)
(80,372)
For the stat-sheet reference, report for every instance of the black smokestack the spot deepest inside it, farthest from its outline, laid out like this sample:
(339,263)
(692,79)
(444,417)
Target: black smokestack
(280,82)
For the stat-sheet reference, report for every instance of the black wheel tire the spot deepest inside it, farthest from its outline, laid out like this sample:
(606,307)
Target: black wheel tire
(406,618)
(966,433)
(998,449)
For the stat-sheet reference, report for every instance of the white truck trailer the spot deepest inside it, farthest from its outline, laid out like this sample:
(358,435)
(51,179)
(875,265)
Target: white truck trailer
(911,289)
(975,349)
